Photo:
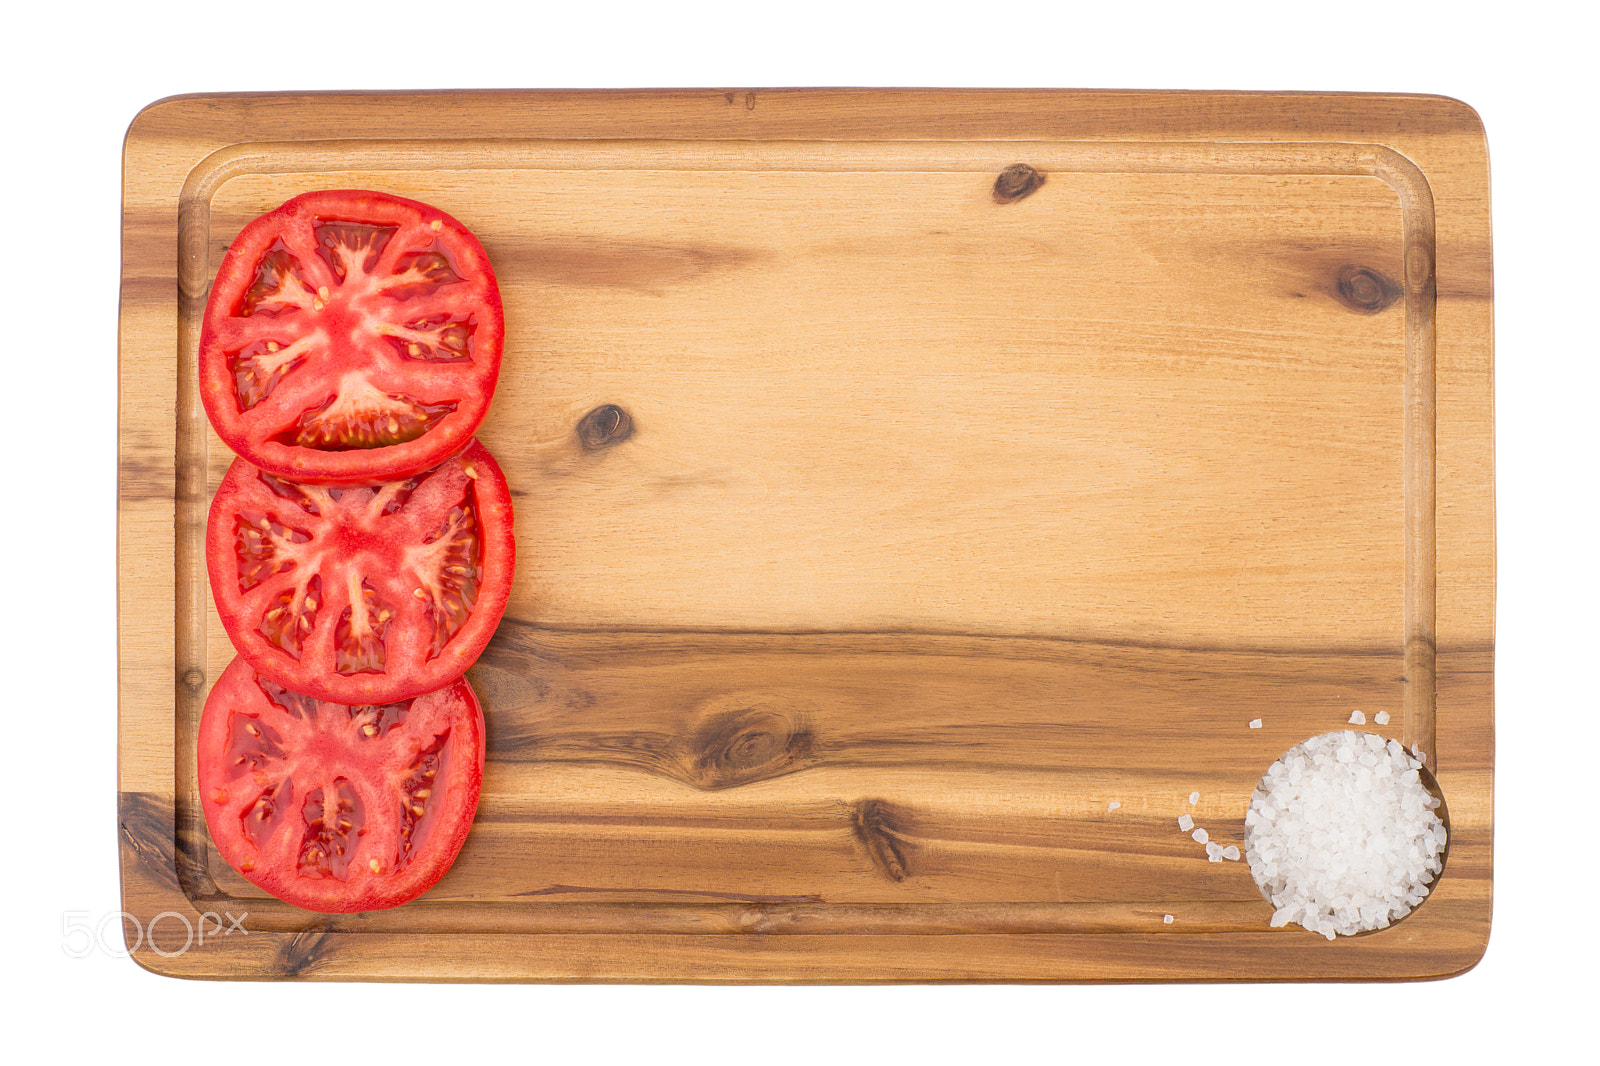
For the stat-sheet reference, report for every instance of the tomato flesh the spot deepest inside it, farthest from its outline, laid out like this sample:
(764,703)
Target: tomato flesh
(351,336)
(338,808)
(363,594)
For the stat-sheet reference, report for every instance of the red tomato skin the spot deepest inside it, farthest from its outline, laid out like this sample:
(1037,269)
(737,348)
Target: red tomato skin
(223,791)
(310,465)
(406,676)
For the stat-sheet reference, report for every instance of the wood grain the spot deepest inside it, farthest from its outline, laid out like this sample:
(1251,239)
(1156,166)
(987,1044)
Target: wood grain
(901,478)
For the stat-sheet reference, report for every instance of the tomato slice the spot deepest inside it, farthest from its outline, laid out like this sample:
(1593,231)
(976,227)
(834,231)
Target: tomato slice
(351,336)
(337,808)
(362,594)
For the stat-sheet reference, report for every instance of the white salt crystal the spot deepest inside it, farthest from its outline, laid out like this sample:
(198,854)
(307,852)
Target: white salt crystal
(1231,853)
(1200,836)
(1113,805)
(1341,835)
(1167,918)
(1185,822)
(1255,723)
(1382,718)
(1357,718)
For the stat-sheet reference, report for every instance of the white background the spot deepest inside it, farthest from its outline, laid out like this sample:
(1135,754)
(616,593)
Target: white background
(73,83)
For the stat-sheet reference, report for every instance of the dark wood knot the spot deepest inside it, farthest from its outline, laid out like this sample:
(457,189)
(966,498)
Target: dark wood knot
(603,427)
(1015,182)
(738,747)
(194,679)
(879,827)
(145,827)
(304,953)
(1366,290)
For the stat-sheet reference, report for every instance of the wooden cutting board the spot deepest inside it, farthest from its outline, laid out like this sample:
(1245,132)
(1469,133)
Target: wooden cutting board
(903,478)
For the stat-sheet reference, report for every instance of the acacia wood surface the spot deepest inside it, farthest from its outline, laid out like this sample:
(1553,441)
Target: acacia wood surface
(901,479)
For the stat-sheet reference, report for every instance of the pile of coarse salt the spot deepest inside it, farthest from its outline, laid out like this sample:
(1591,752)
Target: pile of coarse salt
(1342,835)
